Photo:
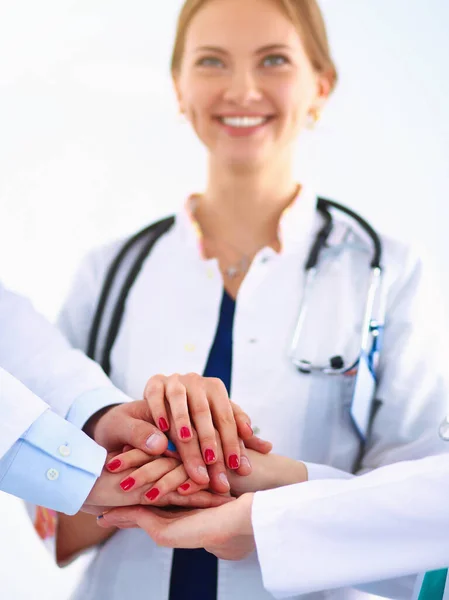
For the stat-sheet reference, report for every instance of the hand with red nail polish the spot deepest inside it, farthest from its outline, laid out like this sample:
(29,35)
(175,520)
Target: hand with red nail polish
(128,479)
(195,409)
(165,473)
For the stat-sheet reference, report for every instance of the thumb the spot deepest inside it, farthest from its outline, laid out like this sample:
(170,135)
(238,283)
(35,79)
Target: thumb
(143,435)
(261,446)
(123,518)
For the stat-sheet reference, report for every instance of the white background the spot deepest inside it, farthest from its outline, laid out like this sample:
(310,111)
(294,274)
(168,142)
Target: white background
(91,148)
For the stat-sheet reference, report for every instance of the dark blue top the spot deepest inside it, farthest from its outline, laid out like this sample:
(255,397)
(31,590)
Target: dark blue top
(194,572)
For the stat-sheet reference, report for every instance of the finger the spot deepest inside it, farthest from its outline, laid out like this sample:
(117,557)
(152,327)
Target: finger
(111,456)
(242,421)
(201,499)
(190,454)
(128,460)
(142,435)
(119,517)
(201,416)
(176,397)
(245,464)
(148,474)
(259,445)
(154,395)
(224,421)
(219,482)
(189,487)
(124,524)
(169,483)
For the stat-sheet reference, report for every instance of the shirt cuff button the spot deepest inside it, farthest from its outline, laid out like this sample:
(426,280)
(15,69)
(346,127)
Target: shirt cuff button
(64,450)
(52,474)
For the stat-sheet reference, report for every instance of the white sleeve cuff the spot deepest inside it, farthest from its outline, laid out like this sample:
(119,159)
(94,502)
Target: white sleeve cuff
(317,471)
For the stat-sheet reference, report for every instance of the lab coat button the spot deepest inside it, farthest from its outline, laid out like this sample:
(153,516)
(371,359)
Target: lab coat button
(52,474)
(189,347)
(264,259)
(210,274)
(64,450)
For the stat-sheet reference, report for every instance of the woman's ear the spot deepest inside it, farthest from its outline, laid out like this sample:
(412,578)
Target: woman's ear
(324,88)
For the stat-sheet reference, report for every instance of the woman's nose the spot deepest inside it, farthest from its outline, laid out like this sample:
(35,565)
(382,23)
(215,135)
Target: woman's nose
(242,88)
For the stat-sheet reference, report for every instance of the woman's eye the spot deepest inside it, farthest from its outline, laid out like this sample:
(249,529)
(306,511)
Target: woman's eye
(274,60)
(210,61)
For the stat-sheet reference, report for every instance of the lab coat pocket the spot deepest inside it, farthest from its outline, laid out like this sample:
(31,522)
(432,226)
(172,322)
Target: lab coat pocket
(329,436)
(338,413)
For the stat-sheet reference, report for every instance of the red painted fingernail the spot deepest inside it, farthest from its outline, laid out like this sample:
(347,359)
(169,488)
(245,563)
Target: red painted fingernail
(152,494)
(209,456)
(127,484)
(185,433)
(163,425)
(184,487)
(234,462)
(114,464)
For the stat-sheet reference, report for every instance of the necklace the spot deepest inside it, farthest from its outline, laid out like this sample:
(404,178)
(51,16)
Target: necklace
(242,265)
(240,268)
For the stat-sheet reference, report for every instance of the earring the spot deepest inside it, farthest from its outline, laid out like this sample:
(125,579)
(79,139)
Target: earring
(313,116)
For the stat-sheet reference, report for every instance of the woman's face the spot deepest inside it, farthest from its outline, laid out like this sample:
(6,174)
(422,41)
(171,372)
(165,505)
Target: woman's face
(246,83)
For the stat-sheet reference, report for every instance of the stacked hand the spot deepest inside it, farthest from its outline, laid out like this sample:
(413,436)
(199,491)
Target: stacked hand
(149,473)
(216,459)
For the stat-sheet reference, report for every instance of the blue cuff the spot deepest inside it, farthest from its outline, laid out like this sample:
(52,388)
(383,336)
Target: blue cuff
(91,402)
(54,465)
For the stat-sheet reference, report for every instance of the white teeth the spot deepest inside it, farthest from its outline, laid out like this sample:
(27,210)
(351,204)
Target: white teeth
(243,121)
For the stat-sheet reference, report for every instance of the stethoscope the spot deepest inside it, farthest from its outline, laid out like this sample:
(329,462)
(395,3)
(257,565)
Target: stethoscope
(371,330)
(126,266)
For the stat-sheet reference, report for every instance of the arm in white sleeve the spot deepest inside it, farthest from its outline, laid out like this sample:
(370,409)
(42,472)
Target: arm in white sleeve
(38,355)
(19,408)
(329,534)
(43,458)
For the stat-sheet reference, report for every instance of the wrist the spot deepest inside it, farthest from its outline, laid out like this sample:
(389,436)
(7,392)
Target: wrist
(287,471)
(245,503)
(298,472)
(91,424)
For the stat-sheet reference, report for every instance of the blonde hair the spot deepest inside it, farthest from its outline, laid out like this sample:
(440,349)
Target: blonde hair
(304,14)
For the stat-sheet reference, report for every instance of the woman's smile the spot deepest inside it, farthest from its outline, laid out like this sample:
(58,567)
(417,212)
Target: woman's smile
(243,125)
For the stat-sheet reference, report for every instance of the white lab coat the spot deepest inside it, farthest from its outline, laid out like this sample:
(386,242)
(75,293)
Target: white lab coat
(34,352)
(326,534)
(169,324)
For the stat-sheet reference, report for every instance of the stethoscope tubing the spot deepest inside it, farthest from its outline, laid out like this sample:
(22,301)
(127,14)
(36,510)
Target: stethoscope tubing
(369,328)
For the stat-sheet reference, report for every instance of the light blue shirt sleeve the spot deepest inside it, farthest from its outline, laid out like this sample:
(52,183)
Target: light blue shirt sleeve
(89,403)
(53,464)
